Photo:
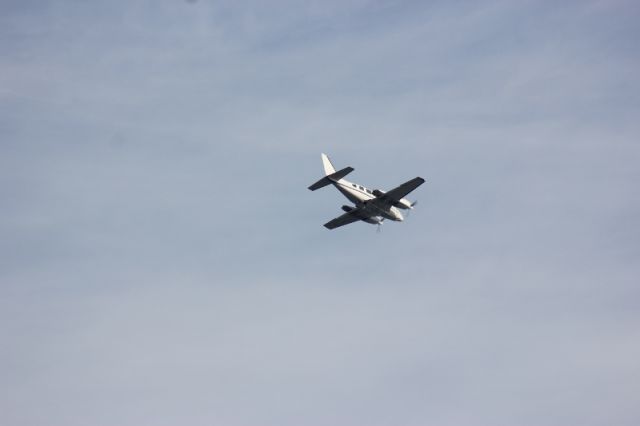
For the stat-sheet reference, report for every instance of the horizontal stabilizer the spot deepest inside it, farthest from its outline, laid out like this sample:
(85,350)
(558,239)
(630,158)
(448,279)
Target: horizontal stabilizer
(320,184)
(340,173)
(333,177)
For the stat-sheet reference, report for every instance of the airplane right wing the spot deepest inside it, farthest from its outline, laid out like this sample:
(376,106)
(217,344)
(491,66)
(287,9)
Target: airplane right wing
(347,218)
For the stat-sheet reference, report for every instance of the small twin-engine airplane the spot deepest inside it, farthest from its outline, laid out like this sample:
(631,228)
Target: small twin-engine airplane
(371,206)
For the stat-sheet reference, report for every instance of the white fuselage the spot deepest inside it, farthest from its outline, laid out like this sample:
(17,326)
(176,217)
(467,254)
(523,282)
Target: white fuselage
(359,195)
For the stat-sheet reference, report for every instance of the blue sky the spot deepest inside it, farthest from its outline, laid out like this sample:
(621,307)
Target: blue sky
(162,262)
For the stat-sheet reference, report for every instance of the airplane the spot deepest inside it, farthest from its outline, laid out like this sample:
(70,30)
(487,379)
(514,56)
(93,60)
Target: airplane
(370,206)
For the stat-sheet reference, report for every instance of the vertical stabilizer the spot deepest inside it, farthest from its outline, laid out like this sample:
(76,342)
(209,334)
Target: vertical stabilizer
(328,167)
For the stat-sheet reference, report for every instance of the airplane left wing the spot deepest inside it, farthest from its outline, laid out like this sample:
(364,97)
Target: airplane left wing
(398,193)
(347,218)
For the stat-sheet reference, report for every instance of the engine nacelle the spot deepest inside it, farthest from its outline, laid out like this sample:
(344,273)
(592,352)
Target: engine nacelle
(404,204)
(375,220)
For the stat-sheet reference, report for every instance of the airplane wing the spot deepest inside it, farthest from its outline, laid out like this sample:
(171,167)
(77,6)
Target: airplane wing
(398,193)
(347,218)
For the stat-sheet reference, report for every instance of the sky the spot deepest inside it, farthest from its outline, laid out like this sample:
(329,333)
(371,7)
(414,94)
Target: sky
(163,263)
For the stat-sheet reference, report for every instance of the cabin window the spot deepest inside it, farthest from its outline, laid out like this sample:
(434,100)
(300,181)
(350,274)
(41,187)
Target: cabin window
(354,185)
(362,188)
(369,191)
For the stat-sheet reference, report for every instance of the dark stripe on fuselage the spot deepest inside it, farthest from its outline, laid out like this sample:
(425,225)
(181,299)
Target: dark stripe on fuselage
(345,190)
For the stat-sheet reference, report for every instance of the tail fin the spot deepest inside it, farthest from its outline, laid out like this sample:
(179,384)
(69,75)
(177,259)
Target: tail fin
(328,167)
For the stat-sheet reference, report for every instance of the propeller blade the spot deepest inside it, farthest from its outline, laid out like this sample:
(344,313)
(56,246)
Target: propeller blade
(411,208)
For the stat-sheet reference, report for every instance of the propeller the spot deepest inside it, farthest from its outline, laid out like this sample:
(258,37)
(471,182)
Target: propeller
(411,208)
